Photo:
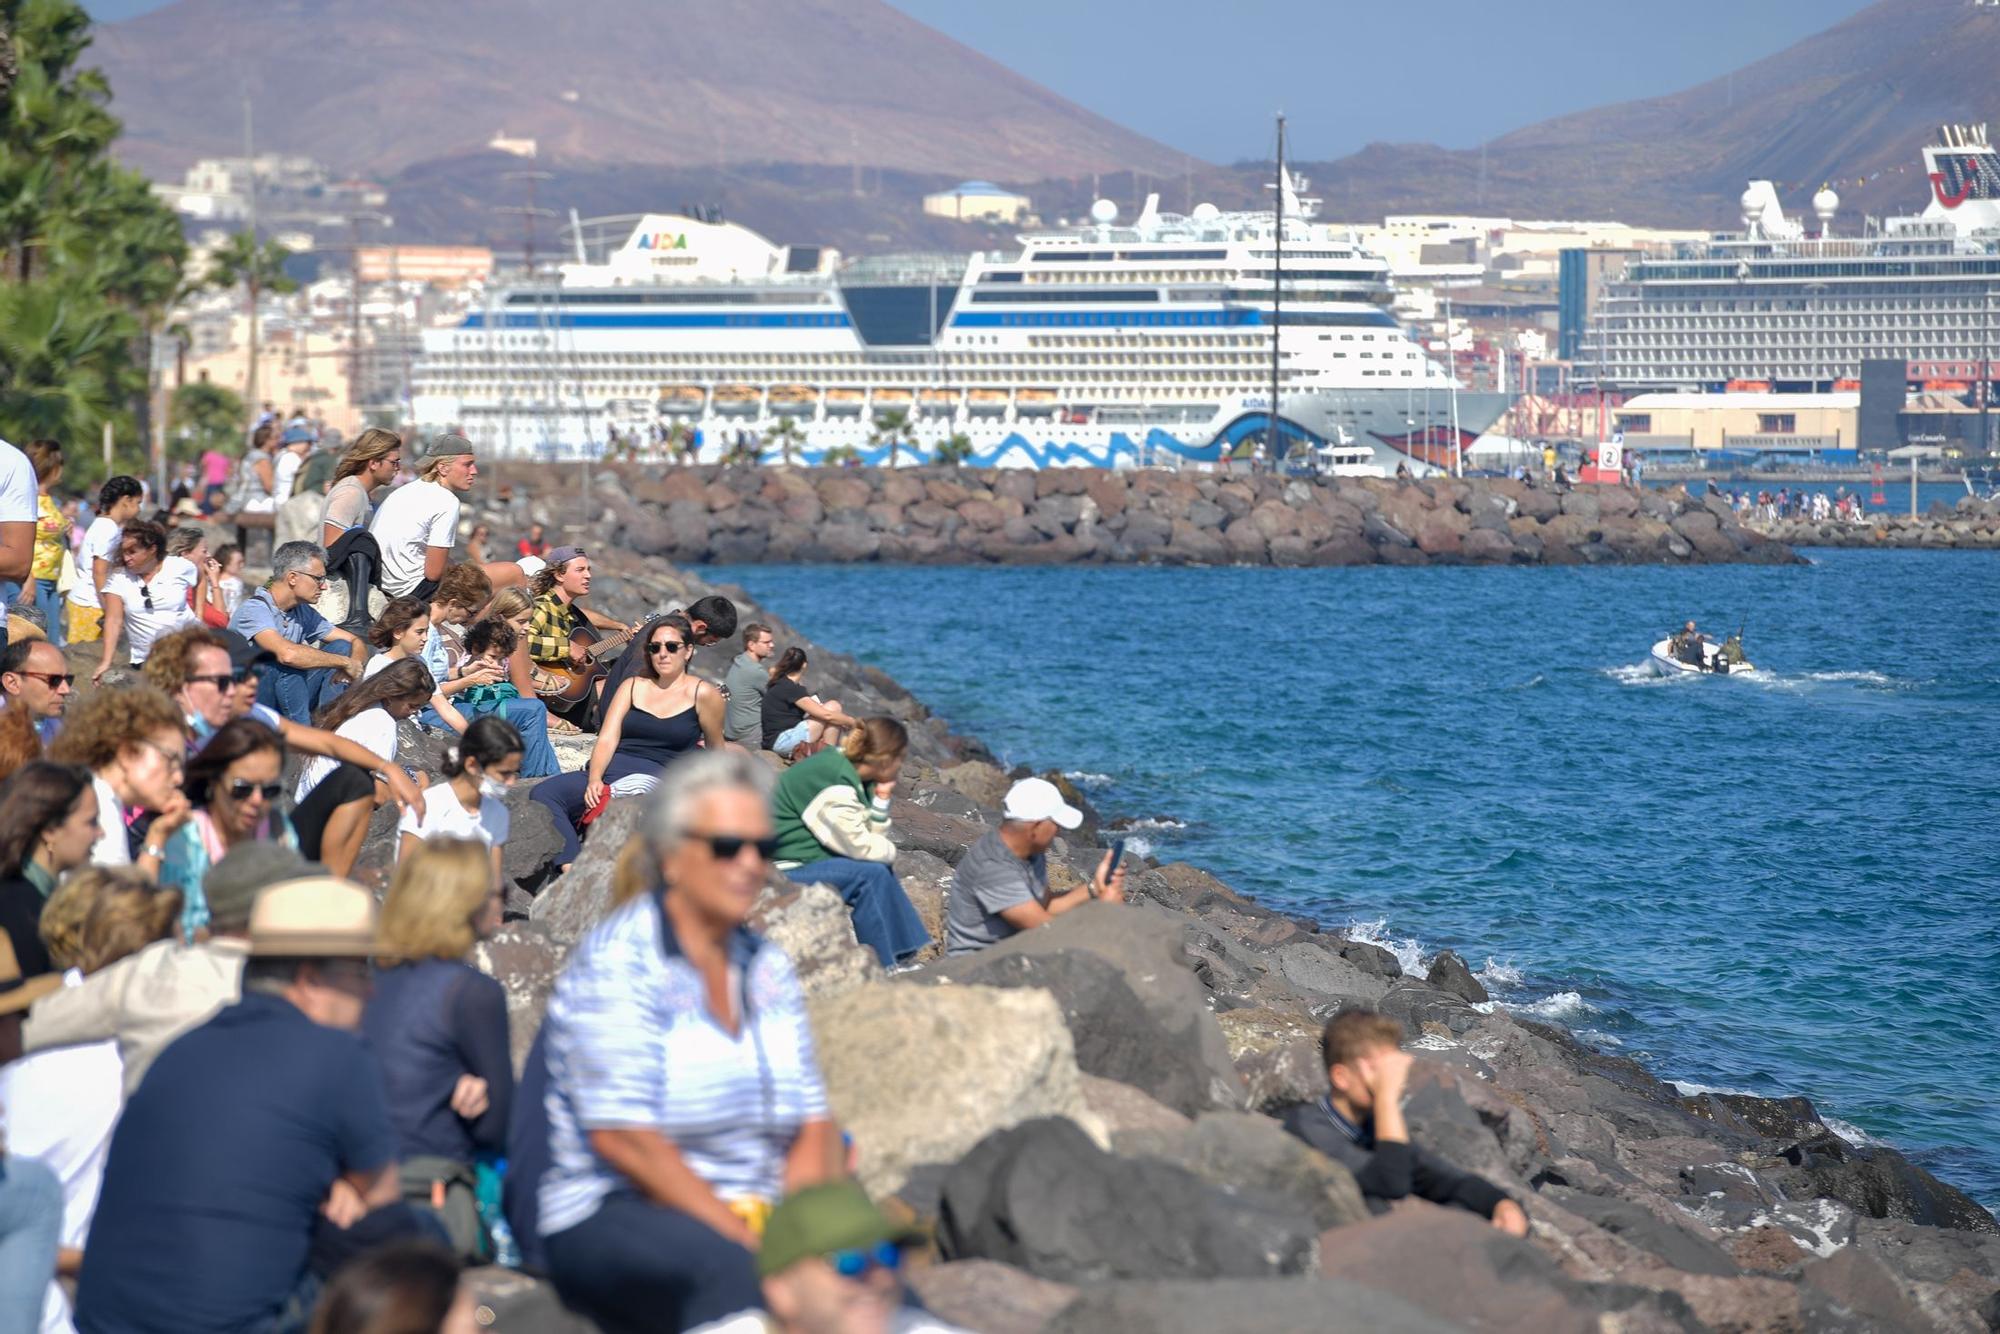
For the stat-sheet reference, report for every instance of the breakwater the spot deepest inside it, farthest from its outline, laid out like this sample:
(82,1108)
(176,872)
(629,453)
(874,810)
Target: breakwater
(743,514)
(1970,524)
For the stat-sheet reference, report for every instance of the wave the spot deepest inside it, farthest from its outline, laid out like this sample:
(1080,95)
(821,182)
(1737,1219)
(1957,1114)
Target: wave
(1087,780)
(1154,822)
(1498,975)
(1690,1089)
(1562,1005)
(1409,953)
(1641,674)
(1848,1131)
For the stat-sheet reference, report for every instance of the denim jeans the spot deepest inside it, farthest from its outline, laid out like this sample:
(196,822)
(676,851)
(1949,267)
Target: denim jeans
(636,1266)
(530,718)
(563,795)
(298,693)
(31,1207)
(884,921)
(50,603)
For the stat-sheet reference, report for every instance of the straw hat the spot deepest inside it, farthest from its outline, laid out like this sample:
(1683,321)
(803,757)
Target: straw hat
(313,918)
(15,994)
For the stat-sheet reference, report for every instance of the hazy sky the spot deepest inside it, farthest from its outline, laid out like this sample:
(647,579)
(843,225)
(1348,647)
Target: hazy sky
(1206,75)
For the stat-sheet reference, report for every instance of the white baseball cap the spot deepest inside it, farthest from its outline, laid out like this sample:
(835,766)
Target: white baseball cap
(1034,799)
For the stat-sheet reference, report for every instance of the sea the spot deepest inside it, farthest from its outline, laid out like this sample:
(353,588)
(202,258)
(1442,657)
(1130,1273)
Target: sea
(1777,883)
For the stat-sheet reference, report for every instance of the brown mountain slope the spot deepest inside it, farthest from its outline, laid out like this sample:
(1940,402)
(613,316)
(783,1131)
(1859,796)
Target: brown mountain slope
(1852,104)
(372,86)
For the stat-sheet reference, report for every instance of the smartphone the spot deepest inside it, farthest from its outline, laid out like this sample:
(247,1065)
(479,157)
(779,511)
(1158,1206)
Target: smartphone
(1117,855)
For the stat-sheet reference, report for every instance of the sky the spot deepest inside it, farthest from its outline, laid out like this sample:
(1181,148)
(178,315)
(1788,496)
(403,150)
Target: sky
(1206,76)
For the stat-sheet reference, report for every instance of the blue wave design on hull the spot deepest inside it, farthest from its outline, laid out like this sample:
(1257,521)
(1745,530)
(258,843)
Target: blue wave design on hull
(1068,453)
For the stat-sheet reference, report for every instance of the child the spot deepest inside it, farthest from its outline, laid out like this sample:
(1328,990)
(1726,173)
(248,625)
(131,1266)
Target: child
(230,558)
(488,644)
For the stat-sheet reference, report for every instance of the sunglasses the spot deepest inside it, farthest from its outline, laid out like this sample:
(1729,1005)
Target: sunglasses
(56,680)
(241,788)
(659,646)
(728,847)
(855,1263)
(220,680)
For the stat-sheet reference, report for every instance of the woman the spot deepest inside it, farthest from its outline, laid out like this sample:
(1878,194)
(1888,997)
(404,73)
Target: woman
(657,715)
(660,1180)
(368,714)
(48,822)
(233,785)
(438,1028)
(832,813)
(534,544)
(190,543)
(461,592)
(20,741)
(400,1288)
(400,633)
(256,476)
(794,716)
(472,801)
(475,545)
(148,595)
(134,743)
(51,539)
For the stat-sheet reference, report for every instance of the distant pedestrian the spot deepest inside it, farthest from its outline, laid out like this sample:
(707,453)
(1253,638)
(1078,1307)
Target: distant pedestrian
(534,544)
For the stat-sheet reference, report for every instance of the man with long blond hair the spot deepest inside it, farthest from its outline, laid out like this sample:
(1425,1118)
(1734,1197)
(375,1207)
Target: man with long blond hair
(417,525)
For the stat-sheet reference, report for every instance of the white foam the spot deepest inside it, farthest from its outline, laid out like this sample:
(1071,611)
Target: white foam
(1642,674)
(1139,847)
(1848,1131)
(1430,1042)
(1562,1005)
(1087,780)
(1690,1089)
(1497,974)
(1865,678)
(1409,953)
(1151,822)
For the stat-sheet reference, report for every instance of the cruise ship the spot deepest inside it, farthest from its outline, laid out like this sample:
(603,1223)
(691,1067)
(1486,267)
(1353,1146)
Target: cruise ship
(1109,344)
(1787,307)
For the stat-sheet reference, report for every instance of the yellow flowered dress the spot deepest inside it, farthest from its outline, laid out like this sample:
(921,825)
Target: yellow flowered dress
(51,538)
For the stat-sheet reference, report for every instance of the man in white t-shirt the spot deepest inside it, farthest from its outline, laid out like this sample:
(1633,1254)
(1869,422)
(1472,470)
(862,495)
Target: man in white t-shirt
(147,596)
(117,505)
(296,443)
(17,526)
(416,526)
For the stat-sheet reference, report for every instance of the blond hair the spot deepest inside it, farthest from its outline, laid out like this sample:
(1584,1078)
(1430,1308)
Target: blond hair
(372,444)
(508,603)
(437,892)
(100,914)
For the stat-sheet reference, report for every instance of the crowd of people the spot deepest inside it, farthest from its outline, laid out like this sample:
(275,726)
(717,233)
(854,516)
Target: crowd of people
(1841,505)
(237,1093)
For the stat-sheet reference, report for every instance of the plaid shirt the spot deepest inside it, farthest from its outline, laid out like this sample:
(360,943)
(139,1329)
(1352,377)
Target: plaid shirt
(549,629)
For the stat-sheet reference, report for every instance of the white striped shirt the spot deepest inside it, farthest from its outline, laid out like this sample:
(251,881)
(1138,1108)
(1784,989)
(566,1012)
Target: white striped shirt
(631,1044)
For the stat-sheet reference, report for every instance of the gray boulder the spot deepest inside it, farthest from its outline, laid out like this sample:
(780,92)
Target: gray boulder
(1449,973)
(1043,1198)
(1244,1306)
(1879,1182)
(989,1297)
(578,899)
(1252,1156)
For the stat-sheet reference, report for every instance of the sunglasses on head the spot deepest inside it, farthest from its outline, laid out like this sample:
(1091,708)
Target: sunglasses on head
(241,788)
(855,1263)
(728,847)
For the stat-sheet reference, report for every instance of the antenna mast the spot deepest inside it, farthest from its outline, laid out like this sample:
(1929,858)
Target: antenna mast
(1277,292)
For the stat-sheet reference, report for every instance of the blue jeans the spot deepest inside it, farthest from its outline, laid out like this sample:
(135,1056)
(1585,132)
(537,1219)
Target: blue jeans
(563,795)
(298,693)
(884,921)
(50,604)
(634,1266)
(530,718)
(31,1206)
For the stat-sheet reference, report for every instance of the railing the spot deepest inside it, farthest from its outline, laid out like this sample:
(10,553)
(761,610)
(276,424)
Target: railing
(1770,442)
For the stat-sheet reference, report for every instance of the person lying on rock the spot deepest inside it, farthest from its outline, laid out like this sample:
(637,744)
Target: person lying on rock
(1001,886)
(830,1264)
(1359,1124)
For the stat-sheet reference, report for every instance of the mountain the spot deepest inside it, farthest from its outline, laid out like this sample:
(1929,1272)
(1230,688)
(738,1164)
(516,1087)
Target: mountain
(373,86)
(1851,105)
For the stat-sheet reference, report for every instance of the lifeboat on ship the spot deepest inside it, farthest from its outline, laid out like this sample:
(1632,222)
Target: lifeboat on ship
(793,396)
(1035,402)
(736,399)
(894,400)
(845,402)
(1748,386)
(682,398)
(938,400)
(986,402)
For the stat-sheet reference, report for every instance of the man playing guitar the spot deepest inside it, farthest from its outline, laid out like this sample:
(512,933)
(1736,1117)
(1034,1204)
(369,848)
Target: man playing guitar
(568,642)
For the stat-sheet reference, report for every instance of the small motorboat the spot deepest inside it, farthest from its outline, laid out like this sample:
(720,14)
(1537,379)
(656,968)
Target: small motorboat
(1665,663)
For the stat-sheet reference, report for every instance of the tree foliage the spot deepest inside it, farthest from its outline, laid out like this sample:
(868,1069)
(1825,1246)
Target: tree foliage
(89,259)
(203,416)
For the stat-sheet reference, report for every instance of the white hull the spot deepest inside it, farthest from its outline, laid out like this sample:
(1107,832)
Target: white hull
(1664,663)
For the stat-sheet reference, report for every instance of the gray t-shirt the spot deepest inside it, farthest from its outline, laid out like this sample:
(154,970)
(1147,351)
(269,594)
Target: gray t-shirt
(990,879)
(347,506)
(743,721)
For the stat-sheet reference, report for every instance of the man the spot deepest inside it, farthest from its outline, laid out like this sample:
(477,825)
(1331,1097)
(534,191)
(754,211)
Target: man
(559,614)
(199,670)
(829,1264)
(1002,884)
(1687,645)
(416,526)
(743,722)
(315,659)
(18,509)
(149,595)
(148,999)
(34,676)
(1359,1124)
(258,1152)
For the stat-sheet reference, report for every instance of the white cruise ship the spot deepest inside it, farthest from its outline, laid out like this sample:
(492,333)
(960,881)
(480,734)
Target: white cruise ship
(1107,345)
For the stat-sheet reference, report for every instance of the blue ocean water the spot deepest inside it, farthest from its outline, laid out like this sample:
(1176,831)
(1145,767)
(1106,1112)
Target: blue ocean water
(1780,883)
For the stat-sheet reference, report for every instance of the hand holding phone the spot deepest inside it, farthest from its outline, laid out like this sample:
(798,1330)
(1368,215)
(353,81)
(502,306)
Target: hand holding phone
(1110,881)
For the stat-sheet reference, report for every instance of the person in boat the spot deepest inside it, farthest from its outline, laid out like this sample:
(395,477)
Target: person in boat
(1731,653)
(1686,646)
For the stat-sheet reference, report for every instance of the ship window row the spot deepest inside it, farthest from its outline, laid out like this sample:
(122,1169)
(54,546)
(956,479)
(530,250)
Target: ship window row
(705,296)
(1044,295)
(1111,256)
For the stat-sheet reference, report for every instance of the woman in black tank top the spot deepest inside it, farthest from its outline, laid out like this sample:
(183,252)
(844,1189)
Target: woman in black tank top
(658,713)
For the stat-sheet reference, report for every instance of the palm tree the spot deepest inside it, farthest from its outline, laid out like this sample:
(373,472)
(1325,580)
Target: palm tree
(787,436)
(890,428)
(954,451)
(259,267)
(58,370)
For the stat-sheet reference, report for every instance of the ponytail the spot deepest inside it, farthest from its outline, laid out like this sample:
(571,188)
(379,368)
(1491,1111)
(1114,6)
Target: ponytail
(877,738)
(489,740)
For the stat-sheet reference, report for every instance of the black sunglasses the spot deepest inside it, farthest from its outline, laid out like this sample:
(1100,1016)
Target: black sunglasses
(665,646)
(220,680)
(146,592)
(241,789)
(56,680)
(728,847)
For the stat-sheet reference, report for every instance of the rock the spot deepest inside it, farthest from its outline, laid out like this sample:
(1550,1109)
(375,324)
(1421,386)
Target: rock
(508,1300)
(1252,1156)
(926,880)
(984,783)
(1788,1119)
(1045,1199)
(1676,1246)
(1243,1306)
(1125,1110)
(1371,959)
(921,1074)
(934,828)
(815,929)
(1142,1020)
(1449,973)
(1858,1283)
(525,959)
(1383,533)
(577,900)
(528,858)
(987,1296)
(1879,1182)
(1329,977)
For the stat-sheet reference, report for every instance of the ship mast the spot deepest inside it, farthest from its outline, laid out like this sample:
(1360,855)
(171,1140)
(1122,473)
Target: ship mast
(1277,293)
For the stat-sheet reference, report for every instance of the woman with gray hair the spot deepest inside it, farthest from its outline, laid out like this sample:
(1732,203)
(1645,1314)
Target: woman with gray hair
(659,1183)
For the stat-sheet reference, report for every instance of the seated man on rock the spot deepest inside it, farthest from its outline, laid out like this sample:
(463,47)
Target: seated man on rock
(1002,883)
(1359,1124)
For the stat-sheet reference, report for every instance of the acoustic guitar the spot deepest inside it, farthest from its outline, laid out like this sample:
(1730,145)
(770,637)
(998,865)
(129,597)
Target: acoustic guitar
(570,683)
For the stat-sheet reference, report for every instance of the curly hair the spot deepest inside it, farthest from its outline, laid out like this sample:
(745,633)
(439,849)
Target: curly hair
(20,743)
(490,635)
(463,585)
(168,665)
(95,731)
(438,890)
(100,914)
(399,615)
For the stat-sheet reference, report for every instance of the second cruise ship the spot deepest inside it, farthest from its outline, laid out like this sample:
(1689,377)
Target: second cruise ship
(1113,343)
